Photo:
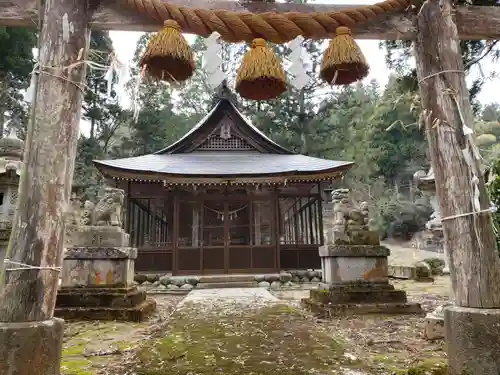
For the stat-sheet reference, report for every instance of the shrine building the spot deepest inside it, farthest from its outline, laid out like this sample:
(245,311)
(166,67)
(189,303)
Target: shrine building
(224,199)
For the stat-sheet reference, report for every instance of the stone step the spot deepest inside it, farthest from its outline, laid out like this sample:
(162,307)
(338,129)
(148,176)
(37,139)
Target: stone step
(233,284)
(328,311)
(132,314)
(227,278)
(363,296)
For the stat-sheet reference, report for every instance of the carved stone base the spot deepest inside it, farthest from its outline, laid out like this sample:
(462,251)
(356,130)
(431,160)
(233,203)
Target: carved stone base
(434,323)
(359,298)
(125,304)
(98,267)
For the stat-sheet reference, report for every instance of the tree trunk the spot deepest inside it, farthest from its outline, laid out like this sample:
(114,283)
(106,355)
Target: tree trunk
(474,261)
(38,230)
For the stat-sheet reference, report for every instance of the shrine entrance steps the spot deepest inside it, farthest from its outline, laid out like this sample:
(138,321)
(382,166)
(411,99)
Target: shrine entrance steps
(232,281)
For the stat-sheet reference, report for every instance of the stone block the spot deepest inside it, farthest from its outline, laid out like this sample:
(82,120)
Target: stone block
(358,294)
(390,308)
(360,297)
(434,327)
(98,267)
(473,340)
(131,314)
(402,272)
(100,297)
(32,348)
(346,263)
(99,236)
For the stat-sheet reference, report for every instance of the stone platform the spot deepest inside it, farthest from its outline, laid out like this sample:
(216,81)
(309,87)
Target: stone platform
(97,278)
(123,304)
(359,298)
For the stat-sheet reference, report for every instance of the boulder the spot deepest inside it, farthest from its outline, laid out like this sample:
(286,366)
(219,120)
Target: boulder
(285,277)
(178,281)
(301,273)
(165,280)
(275,285)
(153,278)
(139,278)
(193,280)
(312,274)
(264,284)
(271,278)
(187,286)
(172,286)
(260,278)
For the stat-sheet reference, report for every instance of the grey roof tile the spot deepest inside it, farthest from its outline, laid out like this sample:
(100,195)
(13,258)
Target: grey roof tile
(224,163)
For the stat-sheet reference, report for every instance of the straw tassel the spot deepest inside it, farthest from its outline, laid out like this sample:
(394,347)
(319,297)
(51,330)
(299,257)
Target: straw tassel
(343,61)
(261,75)
(168,56)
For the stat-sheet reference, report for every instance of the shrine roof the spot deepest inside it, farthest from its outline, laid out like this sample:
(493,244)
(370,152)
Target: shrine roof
(209,163)
(224,107)
(223,144)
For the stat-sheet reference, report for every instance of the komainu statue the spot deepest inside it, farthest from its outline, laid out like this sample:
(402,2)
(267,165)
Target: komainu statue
(108,211)
(351,225)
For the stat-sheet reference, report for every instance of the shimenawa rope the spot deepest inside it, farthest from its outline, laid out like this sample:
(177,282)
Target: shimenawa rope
(271,26)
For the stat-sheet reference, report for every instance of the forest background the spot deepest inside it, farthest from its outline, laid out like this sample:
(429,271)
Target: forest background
(378,128)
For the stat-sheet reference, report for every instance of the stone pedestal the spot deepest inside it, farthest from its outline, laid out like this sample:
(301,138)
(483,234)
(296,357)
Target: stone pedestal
(357,282)
(32,348)
(97,281)
(473,340)
(434,323)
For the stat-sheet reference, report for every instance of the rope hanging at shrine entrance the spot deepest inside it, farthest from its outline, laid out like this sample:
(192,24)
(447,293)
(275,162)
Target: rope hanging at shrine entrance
(261,76)
(231,215)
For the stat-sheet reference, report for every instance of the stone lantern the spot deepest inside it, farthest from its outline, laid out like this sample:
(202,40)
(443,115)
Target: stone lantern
(434,327)
(433,235)
(11,163)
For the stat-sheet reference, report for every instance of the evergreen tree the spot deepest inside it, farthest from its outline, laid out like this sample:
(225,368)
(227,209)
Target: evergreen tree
(16,64)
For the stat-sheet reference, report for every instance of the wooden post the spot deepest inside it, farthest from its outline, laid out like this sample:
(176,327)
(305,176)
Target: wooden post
(38,231)
(474,261)
(472,326)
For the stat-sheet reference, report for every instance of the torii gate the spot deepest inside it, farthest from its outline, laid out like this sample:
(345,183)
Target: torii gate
(28,298)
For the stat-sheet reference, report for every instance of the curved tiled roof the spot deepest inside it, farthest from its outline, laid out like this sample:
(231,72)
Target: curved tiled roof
(209,163)
(182,160)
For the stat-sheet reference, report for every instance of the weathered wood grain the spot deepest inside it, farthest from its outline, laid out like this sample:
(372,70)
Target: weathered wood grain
(470,240)
(38,231)
(472,22)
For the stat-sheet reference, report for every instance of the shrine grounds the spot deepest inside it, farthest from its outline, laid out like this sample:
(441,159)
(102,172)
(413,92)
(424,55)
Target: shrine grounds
(253,331)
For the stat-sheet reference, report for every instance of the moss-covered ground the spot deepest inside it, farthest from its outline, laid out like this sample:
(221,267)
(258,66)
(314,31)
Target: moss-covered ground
(272,340)
(278,338)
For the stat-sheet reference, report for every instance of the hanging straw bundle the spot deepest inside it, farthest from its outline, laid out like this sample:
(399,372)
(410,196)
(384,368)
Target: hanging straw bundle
(261,75)
(168,56)
(343,61)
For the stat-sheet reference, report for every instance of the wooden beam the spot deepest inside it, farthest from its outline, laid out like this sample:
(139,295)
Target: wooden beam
(473,22)
(470,238)
(37,237)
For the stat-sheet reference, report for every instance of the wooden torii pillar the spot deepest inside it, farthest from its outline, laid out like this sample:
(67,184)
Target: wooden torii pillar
(27,299)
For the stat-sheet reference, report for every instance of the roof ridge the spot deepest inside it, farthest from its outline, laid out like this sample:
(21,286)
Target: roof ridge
(172,147)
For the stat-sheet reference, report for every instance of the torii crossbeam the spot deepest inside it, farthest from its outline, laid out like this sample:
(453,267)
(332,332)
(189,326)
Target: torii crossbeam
(28,298)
